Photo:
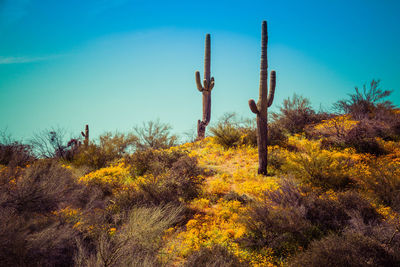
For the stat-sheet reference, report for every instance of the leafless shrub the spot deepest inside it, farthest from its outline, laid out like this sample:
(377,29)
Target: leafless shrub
(154,135)
(364,103)
(296,113)
(49,143)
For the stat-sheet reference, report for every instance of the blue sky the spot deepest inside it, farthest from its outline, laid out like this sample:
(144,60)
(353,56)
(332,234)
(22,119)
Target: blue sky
(116,63)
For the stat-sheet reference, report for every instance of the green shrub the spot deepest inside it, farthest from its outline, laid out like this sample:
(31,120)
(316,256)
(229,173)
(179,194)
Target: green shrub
(227,135)
(232,132)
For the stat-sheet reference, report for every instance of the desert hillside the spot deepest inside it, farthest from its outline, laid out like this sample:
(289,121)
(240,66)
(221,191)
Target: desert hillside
(141,199)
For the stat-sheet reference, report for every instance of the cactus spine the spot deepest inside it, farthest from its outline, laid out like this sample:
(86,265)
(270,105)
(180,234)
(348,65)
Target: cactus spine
(86,135)
(264,102)
(205,89)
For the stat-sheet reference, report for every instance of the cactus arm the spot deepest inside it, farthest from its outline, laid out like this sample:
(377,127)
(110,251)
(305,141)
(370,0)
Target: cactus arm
(212,83)
(253,106)
(272,84)
(83,134)
(198,82)
(205,85)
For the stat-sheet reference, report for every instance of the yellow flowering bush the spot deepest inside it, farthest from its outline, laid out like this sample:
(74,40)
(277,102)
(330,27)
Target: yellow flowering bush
(218,226)
(109,178)
(338,126)
(321,167)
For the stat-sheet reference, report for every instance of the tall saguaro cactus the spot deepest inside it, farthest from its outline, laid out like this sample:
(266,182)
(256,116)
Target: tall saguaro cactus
(86,135)
(205,89)
(264,102)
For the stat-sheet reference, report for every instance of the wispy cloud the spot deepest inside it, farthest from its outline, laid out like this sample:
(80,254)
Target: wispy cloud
(26,59)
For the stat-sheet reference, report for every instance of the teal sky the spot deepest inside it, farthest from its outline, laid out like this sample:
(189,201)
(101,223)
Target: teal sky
(116,63)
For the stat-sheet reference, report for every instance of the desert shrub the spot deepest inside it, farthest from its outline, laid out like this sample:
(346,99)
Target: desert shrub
(363,104)
(153,161)
(186,178)
(154,135)
(54,245)
(108,179)
(296,113)
(180,182)
(42,187)
(392,118)
(275,157)
(333,129)
(343,131)
(13,235)
(376,116)
(226,135)
(363,137)
(111,147)
(276,134)
(280,224)
(53,144)
(135,243)
(30,240)
(292,217)
(383,181)
(284,230)
(346,250)
(231,131)
(15,154)
(234,196)
(213,257)
(328,169)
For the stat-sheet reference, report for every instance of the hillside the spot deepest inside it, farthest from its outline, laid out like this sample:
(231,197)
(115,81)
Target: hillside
(140,199)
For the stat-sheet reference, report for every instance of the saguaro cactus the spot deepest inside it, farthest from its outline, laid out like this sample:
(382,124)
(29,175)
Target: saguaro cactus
(205,89)
(264,102)
(86,135)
